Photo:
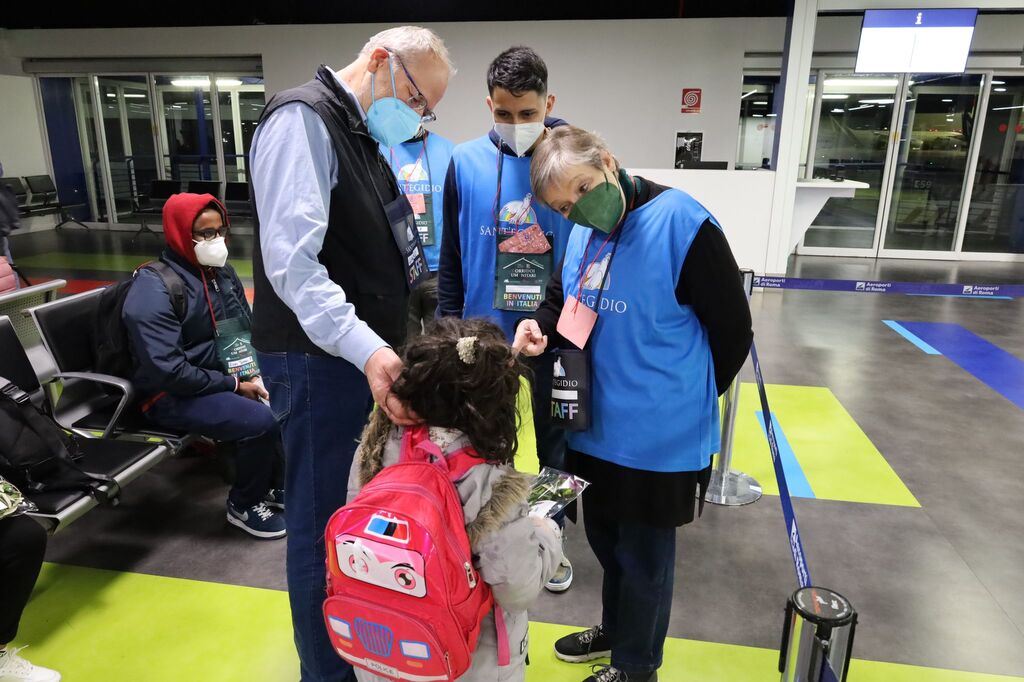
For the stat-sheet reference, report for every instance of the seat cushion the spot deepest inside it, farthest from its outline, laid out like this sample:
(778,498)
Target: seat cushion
(131,421)
(101,457)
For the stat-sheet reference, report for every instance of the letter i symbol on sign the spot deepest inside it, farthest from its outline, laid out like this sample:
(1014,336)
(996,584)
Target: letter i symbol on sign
(918,22)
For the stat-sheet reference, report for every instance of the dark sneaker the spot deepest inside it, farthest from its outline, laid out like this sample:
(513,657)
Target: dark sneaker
(581,647)
(562,579)
(606,673)
(258,520)
(275,499)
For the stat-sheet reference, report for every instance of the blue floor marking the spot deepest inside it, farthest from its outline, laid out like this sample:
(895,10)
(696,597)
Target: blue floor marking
(795,478)
(910,336)
(985,361)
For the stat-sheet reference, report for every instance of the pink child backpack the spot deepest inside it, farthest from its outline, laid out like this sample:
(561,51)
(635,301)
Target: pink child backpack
(404,600)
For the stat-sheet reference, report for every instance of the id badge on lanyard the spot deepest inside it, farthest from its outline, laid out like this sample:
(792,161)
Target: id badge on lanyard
(571,382)
(402,220)
(523,258)
(234,348)
(403,227)
(422,202)
(233,339)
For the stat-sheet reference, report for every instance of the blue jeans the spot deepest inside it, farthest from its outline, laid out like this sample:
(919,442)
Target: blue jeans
(636,596)
(230,418)
(322,404)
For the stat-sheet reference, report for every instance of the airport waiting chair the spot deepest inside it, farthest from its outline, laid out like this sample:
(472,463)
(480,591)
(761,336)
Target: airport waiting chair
(121,460)
(152,204)
(205,187)
(237,199)
(91,403)
(14,303)
(45,200)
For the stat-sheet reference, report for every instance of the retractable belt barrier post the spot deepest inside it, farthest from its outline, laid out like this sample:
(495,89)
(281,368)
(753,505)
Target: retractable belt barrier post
(817,637)
(727,487)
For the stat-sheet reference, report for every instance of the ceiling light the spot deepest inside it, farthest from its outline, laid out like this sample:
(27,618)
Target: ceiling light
(761,103)
(863,106)
(998,82)
(838,111)
(853,83)
(134,96)
(110,94)
(191,82)
(1019,106)
(999,89)
(947,100)
(228,82)
(834,96)
(876,101)
(772,115)
(758,115)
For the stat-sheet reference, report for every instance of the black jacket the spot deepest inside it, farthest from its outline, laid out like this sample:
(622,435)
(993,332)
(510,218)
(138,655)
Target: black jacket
(359,250)
(180,356)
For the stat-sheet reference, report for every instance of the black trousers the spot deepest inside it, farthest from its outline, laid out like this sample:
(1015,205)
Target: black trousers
(22,545)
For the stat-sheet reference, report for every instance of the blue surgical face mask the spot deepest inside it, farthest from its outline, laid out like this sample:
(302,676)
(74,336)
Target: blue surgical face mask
(390,120)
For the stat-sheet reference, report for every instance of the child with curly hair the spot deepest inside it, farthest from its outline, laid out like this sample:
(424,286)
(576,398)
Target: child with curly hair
(462,378)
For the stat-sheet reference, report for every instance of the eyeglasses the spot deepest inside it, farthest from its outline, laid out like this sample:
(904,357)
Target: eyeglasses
(417,101)
(211,233)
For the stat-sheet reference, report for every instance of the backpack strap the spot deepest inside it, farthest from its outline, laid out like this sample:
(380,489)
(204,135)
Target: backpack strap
(417,447)
(504,654)
(172,282)
(104,489)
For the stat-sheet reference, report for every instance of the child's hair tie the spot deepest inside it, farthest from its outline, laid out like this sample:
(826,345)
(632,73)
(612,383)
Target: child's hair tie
(467,349)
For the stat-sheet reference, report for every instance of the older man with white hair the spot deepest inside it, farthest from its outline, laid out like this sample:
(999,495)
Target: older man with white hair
(336,257)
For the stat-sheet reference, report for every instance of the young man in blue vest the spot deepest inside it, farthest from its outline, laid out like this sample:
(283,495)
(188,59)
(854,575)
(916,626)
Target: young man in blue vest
(419,165)
(500,246)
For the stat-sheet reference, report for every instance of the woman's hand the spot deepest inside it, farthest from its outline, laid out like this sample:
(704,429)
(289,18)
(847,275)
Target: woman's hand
(529,341)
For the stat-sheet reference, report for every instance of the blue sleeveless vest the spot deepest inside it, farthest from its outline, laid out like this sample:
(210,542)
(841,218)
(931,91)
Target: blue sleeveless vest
(476,173)
(655,404)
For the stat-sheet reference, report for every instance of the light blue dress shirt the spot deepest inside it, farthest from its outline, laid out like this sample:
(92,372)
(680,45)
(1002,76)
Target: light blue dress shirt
(294,170)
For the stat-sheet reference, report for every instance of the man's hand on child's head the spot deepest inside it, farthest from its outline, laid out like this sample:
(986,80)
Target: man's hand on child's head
(381,370)
(529,340)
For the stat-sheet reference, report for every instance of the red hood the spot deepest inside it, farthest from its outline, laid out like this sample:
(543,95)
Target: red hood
(180,213)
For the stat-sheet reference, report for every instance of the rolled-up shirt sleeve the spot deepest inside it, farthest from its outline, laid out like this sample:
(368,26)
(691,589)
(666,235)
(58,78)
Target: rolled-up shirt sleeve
(294,170)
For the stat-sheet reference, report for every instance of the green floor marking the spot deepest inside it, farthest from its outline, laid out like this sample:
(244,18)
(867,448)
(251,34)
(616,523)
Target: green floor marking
(838,459)
(106,262)
(95,625)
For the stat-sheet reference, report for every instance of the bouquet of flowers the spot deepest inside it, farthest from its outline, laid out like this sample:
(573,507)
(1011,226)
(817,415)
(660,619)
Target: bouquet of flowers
(553,490)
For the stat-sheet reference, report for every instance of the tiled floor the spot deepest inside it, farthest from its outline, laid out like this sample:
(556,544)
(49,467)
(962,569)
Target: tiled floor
(937,585)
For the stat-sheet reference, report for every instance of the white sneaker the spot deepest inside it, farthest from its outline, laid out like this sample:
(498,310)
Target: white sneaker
(14,668)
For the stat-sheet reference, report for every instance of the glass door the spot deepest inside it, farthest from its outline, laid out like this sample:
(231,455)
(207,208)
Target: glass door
(931,163)
(241,102)
(128,128)
(853,131)
(995,216)
(187,139)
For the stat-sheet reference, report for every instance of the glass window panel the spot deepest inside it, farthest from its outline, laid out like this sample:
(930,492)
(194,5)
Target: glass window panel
(853,135)
(931,162)
(995,218)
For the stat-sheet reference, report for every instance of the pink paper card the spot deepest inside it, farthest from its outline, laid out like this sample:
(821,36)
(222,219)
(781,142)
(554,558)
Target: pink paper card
(418,203)
(576,322)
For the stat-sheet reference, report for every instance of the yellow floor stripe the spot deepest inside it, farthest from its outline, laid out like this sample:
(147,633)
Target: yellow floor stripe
(838,459)
(104,626)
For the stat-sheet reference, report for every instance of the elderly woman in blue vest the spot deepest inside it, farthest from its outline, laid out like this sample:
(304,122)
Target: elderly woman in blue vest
(650,291)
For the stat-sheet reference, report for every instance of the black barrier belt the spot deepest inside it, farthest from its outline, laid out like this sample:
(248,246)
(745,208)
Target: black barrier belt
(1004,291)
(796,545)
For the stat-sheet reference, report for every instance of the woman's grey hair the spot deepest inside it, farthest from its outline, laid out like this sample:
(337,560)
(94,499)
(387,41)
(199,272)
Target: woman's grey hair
(410,43)
(562,148)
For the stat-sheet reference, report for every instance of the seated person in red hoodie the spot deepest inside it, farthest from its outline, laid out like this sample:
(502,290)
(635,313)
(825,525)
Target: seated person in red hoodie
(198,373)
